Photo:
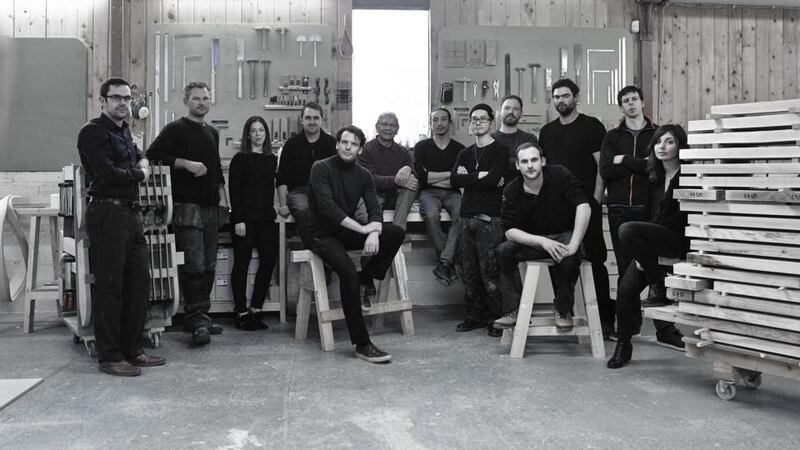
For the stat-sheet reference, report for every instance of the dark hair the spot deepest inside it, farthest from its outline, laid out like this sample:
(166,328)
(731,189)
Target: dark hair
(313,105)
(509,97)
(246,146)
(567,83)
(484,107)
(352,129)
(111,82)
(193,85)
(655,170)
(442,108)
(527,145)
(627,90)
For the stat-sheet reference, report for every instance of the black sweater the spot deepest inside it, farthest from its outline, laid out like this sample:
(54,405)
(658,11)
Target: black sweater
(334,189)
(251,185)
(627,183)
(298,155)
(481,196)
(428,157)
(665,209)
(110,159)
(194,141)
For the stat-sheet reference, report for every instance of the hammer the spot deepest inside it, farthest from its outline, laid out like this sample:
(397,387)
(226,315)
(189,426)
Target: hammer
(465,82)
(266,64)
(534,73)
(252,63)
(520,71)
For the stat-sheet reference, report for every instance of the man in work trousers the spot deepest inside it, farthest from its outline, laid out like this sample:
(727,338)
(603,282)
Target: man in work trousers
(433,160)
(479,170)
(297,156)
(118,253)
(191,148)
(335,186)
(574,141)
(623,166)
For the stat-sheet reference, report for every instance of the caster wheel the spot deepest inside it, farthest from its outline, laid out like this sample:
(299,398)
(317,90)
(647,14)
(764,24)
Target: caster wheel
(752,381)
(155,339)
(90,348)
(76,339)
(726,390)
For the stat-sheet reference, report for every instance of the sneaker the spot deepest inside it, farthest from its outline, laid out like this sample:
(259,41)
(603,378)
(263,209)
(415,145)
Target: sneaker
(670,337)
(563,321)
(368,294)
(508,320)
(370,353)
(201,336)
(442,273)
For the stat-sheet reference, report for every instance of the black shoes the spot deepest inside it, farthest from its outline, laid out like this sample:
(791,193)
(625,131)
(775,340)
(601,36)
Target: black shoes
(201,336)
(368,294)
(248,322)
(609,332)
(469,325)
(119,368)
(370,353)
(143,360)
(494,332)
(656,295)
(670,337)
(445,273)
(622,355)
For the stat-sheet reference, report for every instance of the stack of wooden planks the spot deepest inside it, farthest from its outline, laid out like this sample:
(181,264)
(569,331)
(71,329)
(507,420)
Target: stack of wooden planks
(740,185)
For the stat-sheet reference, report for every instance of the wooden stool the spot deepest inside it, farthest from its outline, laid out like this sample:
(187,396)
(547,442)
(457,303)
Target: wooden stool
(34,290)
(397,277)
(541,322)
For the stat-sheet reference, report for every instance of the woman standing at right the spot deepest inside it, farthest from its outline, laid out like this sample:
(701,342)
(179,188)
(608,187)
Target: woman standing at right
(663,235)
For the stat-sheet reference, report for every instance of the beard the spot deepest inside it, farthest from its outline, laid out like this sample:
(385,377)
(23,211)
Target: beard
(565,109)
(510,120)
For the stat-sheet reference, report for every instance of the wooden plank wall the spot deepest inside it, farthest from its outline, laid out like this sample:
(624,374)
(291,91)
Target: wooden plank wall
(720,55)
(532,13)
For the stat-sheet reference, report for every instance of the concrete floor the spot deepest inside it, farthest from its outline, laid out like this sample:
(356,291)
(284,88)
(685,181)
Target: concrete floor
(443,390)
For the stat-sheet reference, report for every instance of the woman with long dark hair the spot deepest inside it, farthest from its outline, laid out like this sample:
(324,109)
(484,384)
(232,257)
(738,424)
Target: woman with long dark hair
(663,235)
(252,189)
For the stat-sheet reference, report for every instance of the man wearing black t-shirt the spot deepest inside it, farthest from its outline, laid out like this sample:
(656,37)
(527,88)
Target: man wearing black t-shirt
(434,159)
(545,215)
(297,156)
(479,170)
(191,148)
(574,141)
(509,133)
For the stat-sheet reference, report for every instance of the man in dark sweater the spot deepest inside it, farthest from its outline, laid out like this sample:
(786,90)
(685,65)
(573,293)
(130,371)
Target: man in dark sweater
(118,255)
(509,133)
(336,185)
(574,140)
(433,160)
(297,156)
(545,215)
(479,170)
(191,148)
(392,168)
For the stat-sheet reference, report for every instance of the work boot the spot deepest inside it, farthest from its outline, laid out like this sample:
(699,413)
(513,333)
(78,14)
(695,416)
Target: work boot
(622,355)
(200,335)
(563,320)
(656,295)
(493,331)
(119,368)
(670,337)
(442,273)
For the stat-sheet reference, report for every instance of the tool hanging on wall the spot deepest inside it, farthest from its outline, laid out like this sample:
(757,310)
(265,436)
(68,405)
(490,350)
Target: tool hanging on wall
(464,82)
(564,58)
(166,67)
(484,88)
(548,94)
(315,39)
(283,31)
(327,92)
(316,90)
(157,79)
(534,74)
(264,32)
(507,79)
(577,54)
(240,64)
(496,88)
(345,43)
(252,66)
(266,63)
(446,95)
(172,62)
(520,73)
(214,65)
(475,89)
(301,42)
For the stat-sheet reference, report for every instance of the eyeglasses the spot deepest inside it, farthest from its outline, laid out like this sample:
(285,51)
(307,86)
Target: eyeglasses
(387,125)
(119,98)
(480,119)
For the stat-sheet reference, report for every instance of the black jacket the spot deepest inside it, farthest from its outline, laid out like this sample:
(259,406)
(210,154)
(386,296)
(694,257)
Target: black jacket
(665,210)
(627,183)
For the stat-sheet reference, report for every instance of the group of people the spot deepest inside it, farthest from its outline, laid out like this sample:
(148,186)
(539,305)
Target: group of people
(511,198)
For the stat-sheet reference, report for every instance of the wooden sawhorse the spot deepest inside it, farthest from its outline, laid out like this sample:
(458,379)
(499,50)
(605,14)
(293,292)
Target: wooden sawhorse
(318,291)
(540,322)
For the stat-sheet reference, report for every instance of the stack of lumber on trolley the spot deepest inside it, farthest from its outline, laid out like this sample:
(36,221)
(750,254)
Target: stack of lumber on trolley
(740,185)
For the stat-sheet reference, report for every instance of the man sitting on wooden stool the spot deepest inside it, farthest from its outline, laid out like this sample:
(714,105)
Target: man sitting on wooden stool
(335,186)
(545,215)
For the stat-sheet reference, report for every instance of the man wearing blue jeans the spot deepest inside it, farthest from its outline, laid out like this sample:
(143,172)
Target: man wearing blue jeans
(334,188)
(433,160)
(545,215)
(191,148)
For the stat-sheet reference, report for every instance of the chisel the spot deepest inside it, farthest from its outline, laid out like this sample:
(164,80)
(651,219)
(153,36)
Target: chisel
(507,86)
(214,65)
(240,64)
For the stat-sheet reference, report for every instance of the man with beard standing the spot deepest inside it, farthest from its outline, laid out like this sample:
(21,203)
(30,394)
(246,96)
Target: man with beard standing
(191,148)
(574,141)
(509,133)
(434,158)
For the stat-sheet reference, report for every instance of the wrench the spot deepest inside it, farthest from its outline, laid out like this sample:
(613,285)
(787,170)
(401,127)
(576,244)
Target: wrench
(475,89)
(496,88)
(534,73)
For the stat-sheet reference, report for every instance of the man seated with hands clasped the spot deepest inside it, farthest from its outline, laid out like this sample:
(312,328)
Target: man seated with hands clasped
(545,215)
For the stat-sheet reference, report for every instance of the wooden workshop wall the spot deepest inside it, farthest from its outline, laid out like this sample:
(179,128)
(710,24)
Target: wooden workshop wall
(720,55)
